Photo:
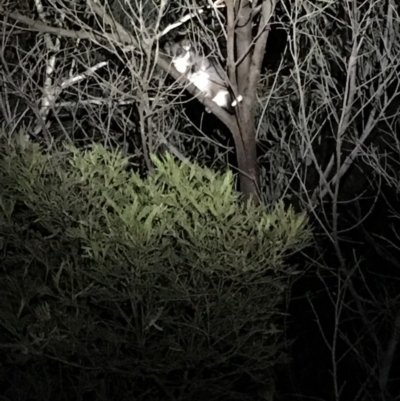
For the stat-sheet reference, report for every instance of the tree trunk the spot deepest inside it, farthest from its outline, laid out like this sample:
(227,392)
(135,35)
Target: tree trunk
(246,153)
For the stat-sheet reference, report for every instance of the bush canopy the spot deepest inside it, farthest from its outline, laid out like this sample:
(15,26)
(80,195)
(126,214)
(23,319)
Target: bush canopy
(114,286)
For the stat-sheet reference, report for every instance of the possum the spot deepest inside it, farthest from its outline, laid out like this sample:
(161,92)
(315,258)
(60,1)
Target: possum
(203,72)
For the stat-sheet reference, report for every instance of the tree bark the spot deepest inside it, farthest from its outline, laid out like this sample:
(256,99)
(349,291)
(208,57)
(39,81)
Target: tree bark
(246,152)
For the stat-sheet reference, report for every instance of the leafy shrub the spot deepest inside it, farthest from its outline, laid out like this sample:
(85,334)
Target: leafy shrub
(118,287)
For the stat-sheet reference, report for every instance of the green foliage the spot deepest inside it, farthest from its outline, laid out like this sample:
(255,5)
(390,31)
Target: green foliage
(166,287)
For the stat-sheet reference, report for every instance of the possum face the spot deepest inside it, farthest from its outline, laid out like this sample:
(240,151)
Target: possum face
(180,55)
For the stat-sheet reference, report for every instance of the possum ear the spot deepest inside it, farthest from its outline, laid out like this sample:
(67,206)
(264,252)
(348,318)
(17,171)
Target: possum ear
(168,48)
